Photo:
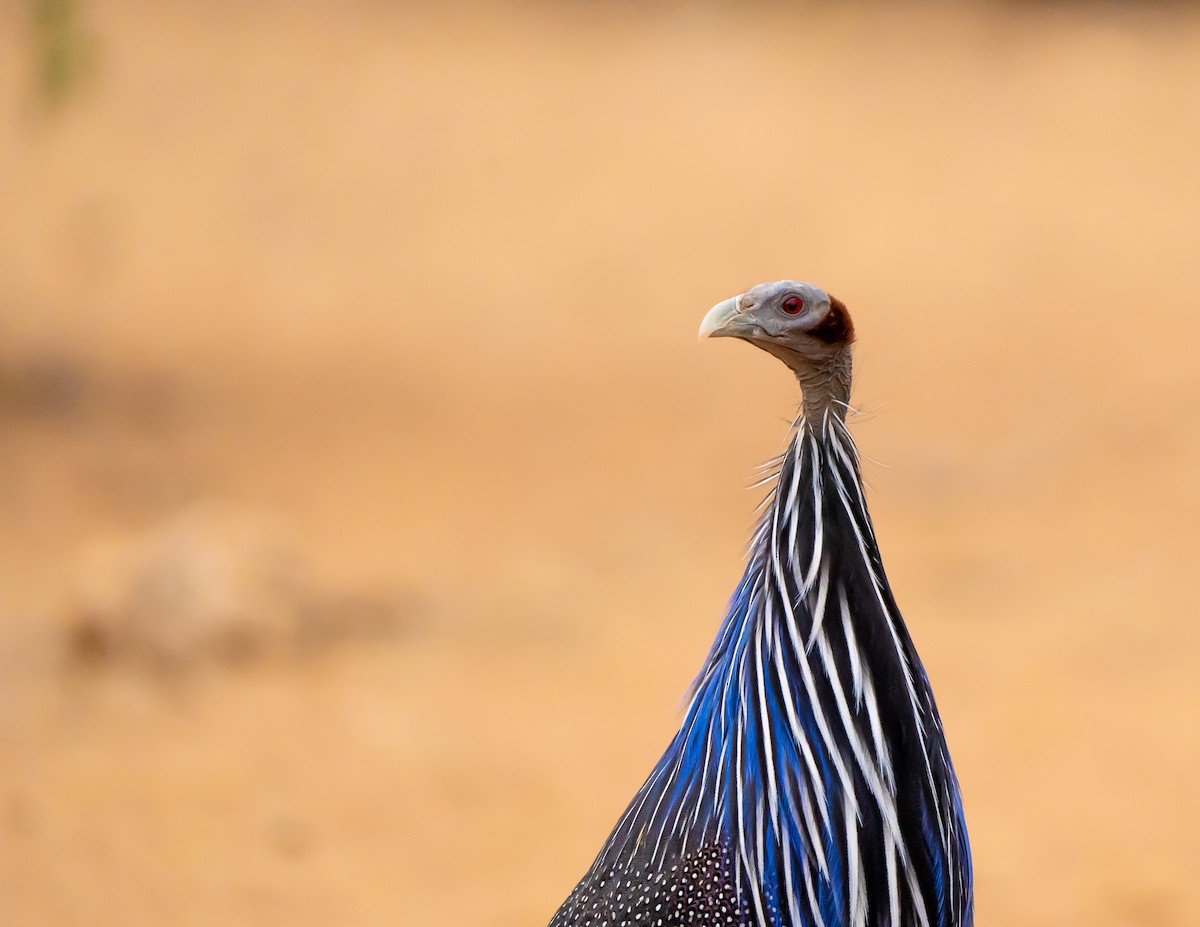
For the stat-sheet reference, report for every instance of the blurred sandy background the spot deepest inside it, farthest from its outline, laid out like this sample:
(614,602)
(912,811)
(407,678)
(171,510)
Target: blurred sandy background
(366,503)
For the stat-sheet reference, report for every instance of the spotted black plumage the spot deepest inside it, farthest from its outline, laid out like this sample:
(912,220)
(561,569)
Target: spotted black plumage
(809,783)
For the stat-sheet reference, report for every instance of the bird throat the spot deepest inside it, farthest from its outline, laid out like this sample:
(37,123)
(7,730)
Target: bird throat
(825,386)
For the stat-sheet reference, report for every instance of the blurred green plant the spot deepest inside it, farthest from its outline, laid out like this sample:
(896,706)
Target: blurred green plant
(64,52)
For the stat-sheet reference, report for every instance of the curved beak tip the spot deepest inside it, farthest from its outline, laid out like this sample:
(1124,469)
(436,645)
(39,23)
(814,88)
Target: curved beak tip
(717,317)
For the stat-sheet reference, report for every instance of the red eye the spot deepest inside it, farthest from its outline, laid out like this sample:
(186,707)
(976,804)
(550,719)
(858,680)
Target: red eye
(792,305)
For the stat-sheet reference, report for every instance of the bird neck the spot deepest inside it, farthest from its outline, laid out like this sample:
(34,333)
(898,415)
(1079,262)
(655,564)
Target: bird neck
(825,386)
(811,760)
(811,753)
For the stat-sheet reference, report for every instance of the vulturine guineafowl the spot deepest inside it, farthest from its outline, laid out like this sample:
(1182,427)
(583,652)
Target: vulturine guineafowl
(809,784)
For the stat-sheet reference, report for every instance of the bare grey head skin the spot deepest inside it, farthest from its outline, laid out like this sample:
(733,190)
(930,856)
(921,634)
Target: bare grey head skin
(804,327)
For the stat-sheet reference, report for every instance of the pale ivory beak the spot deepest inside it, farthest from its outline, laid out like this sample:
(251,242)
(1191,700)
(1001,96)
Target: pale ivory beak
(718,316)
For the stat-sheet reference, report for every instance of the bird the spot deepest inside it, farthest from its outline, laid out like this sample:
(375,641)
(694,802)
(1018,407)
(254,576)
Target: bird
(809,783)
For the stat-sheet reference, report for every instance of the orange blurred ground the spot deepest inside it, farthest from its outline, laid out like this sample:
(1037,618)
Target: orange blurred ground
(423,286)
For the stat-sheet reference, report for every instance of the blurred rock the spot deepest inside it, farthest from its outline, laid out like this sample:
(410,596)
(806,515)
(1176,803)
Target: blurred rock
(42,386)
(214,583)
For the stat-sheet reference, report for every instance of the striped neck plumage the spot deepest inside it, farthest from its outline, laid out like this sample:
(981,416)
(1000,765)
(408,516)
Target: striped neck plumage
(811,751)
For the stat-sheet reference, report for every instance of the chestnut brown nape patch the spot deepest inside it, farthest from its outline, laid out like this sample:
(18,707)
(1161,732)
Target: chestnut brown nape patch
(836,327)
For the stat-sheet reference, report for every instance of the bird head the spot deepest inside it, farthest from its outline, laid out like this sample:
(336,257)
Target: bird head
(803,326)
(785,318)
